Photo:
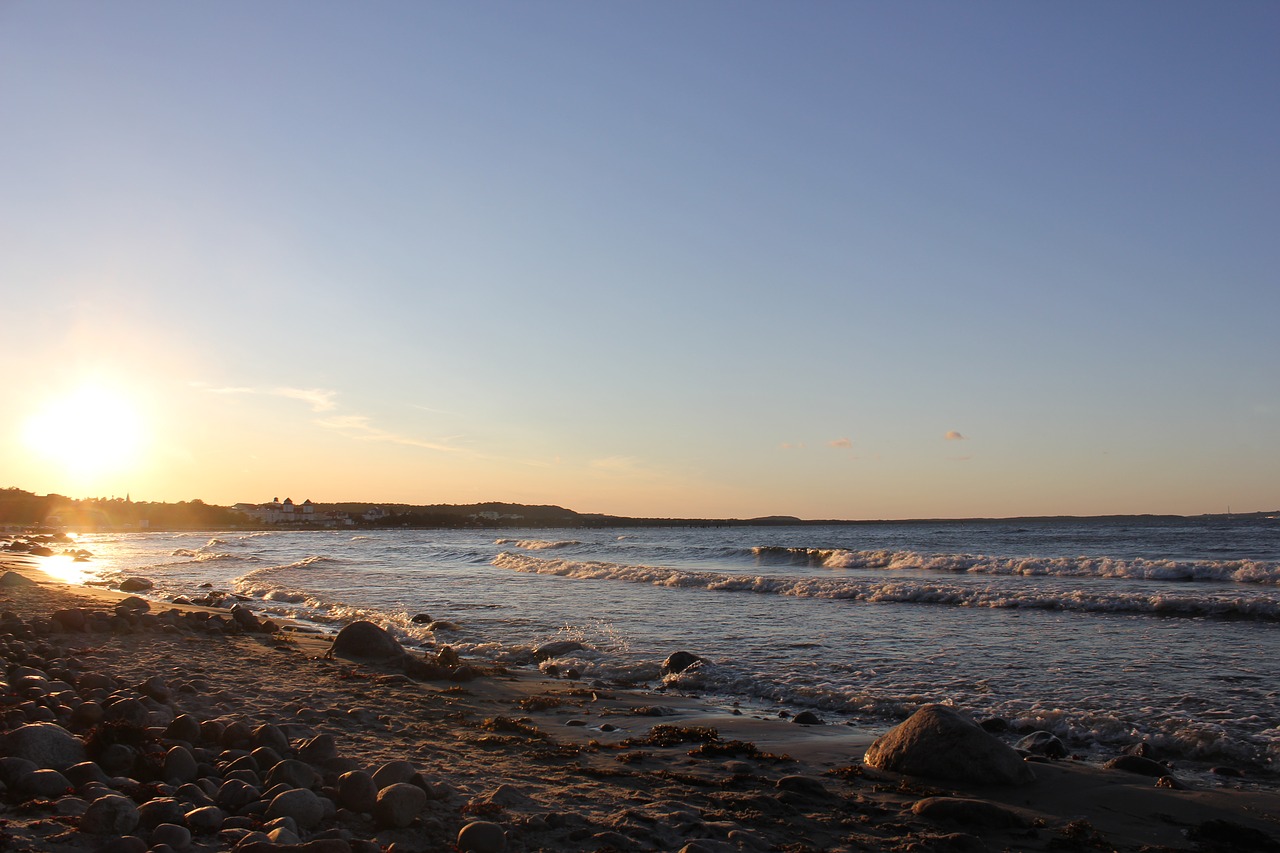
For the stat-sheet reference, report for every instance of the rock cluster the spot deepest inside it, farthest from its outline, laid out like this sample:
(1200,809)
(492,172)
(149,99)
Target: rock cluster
(128,769)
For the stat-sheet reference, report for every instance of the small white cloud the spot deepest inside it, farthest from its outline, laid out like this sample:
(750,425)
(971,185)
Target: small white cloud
(841,443)
(319,399)
(952,435)
(361,428)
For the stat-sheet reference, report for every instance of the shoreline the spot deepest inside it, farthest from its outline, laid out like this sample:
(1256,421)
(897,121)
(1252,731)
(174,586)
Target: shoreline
(563,765)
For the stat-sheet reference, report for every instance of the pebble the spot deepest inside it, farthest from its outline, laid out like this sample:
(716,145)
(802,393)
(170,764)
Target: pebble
(110,815)
(301,804)
(398,805)
(357,791)
(294,773)
(482,836)
(206,819)
(176,836)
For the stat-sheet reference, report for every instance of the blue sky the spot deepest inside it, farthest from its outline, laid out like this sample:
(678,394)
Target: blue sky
(854,260)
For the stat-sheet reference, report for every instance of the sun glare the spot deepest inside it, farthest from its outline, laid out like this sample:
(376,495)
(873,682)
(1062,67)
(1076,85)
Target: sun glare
(92,431)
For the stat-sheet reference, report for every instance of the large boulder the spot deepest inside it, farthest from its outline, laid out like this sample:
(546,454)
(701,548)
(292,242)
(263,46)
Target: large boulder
(367,642)
(48,746)
(939,742)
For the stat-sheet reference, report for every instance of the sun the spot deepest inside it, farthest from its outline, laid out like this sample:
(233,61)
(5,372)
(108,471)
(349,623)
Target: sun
(92,431)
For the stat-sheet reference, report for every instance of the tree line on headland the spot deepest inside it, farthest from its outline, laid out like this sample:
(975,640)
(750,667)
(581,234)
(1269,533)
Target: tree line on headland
(22,509)
(19,508)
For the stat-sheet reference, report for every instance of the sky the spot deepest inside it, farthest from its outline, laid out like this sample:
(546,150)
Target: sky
(850,260)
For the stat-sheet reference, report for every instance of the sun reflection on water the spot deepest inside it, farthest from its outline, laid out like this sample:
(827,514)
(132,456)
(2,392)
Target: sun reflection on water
(63,567)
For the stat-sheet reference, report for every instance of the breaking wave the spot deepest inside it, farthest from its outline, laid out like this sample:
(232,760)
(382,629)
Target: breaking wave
(1237,571)
(537,544)
(1214,604)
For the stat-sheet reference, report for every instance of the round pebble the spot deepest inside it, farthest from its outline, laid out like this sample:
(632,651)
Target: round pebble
(482,836)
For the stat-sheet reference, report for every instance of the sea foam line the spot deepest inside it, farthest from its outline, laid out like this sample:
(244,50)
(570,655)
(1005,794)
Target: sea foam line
(1241,605)
(1238,571)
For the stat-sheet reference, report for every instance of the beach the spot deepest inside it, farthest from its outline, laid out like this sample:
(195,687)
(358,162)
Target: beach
(545,763)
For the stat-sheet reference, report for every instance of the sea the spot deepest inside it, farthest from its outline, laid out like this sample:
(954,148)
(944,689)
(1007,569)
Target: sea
(1107,632)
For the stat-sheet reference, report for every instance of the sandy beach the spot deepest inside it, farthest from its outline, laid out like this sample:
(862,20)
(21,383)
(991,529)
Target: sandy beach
(205,737)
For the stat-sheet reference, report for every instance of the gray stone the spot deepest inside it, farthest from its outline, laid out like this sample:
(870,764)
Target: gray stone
(679,662)
(294,773)
(179,766)
(136,584)
(110,815)
(206,819)
(84,772)
(482,836)
(399,804)
(161,810)
(366,641)
(393,772)
(176,836)
(557,649)
(268,736)
(185,728)
(319,749)
(1043,743)
(357,791)
(300,804)
(970,812)
(235,794)
(939,742)
(46,745)
(1137,764)
(13,768)
(46,784)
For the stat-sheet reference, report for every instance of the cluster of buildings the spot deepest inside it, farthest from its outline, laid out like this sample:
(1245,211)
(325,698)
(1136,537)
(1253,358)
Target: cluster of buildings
(287,512)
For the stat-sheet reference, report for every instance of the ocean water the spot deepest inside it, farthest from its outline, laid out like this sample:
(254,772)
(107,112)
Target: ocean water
(1106,632)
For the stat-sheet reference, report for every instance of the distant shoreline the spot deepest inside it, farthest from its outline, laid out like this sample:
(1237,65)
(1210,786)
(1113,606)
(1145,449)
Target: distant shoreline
(24,510)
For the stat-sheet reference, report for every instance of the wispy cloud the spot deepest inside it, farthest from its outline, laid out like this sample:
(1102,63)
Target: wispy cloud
(952,435)
(319,399)
(792,445)
(357,427)
(361,428)
(841,443)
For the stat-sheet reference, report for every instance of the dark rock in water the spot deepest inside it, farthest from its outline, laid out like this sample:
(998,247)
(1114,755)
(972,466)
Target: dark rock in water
(1137,764)
(135,584)
(1043,743)
(995,725)
(1226,835)
(1142,750)
(966,811)
(807,718)
(366,641)
(421,619)
(424,670)
(939,742)
(16,579)
(679,662)
(1228,772)
(557,649)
